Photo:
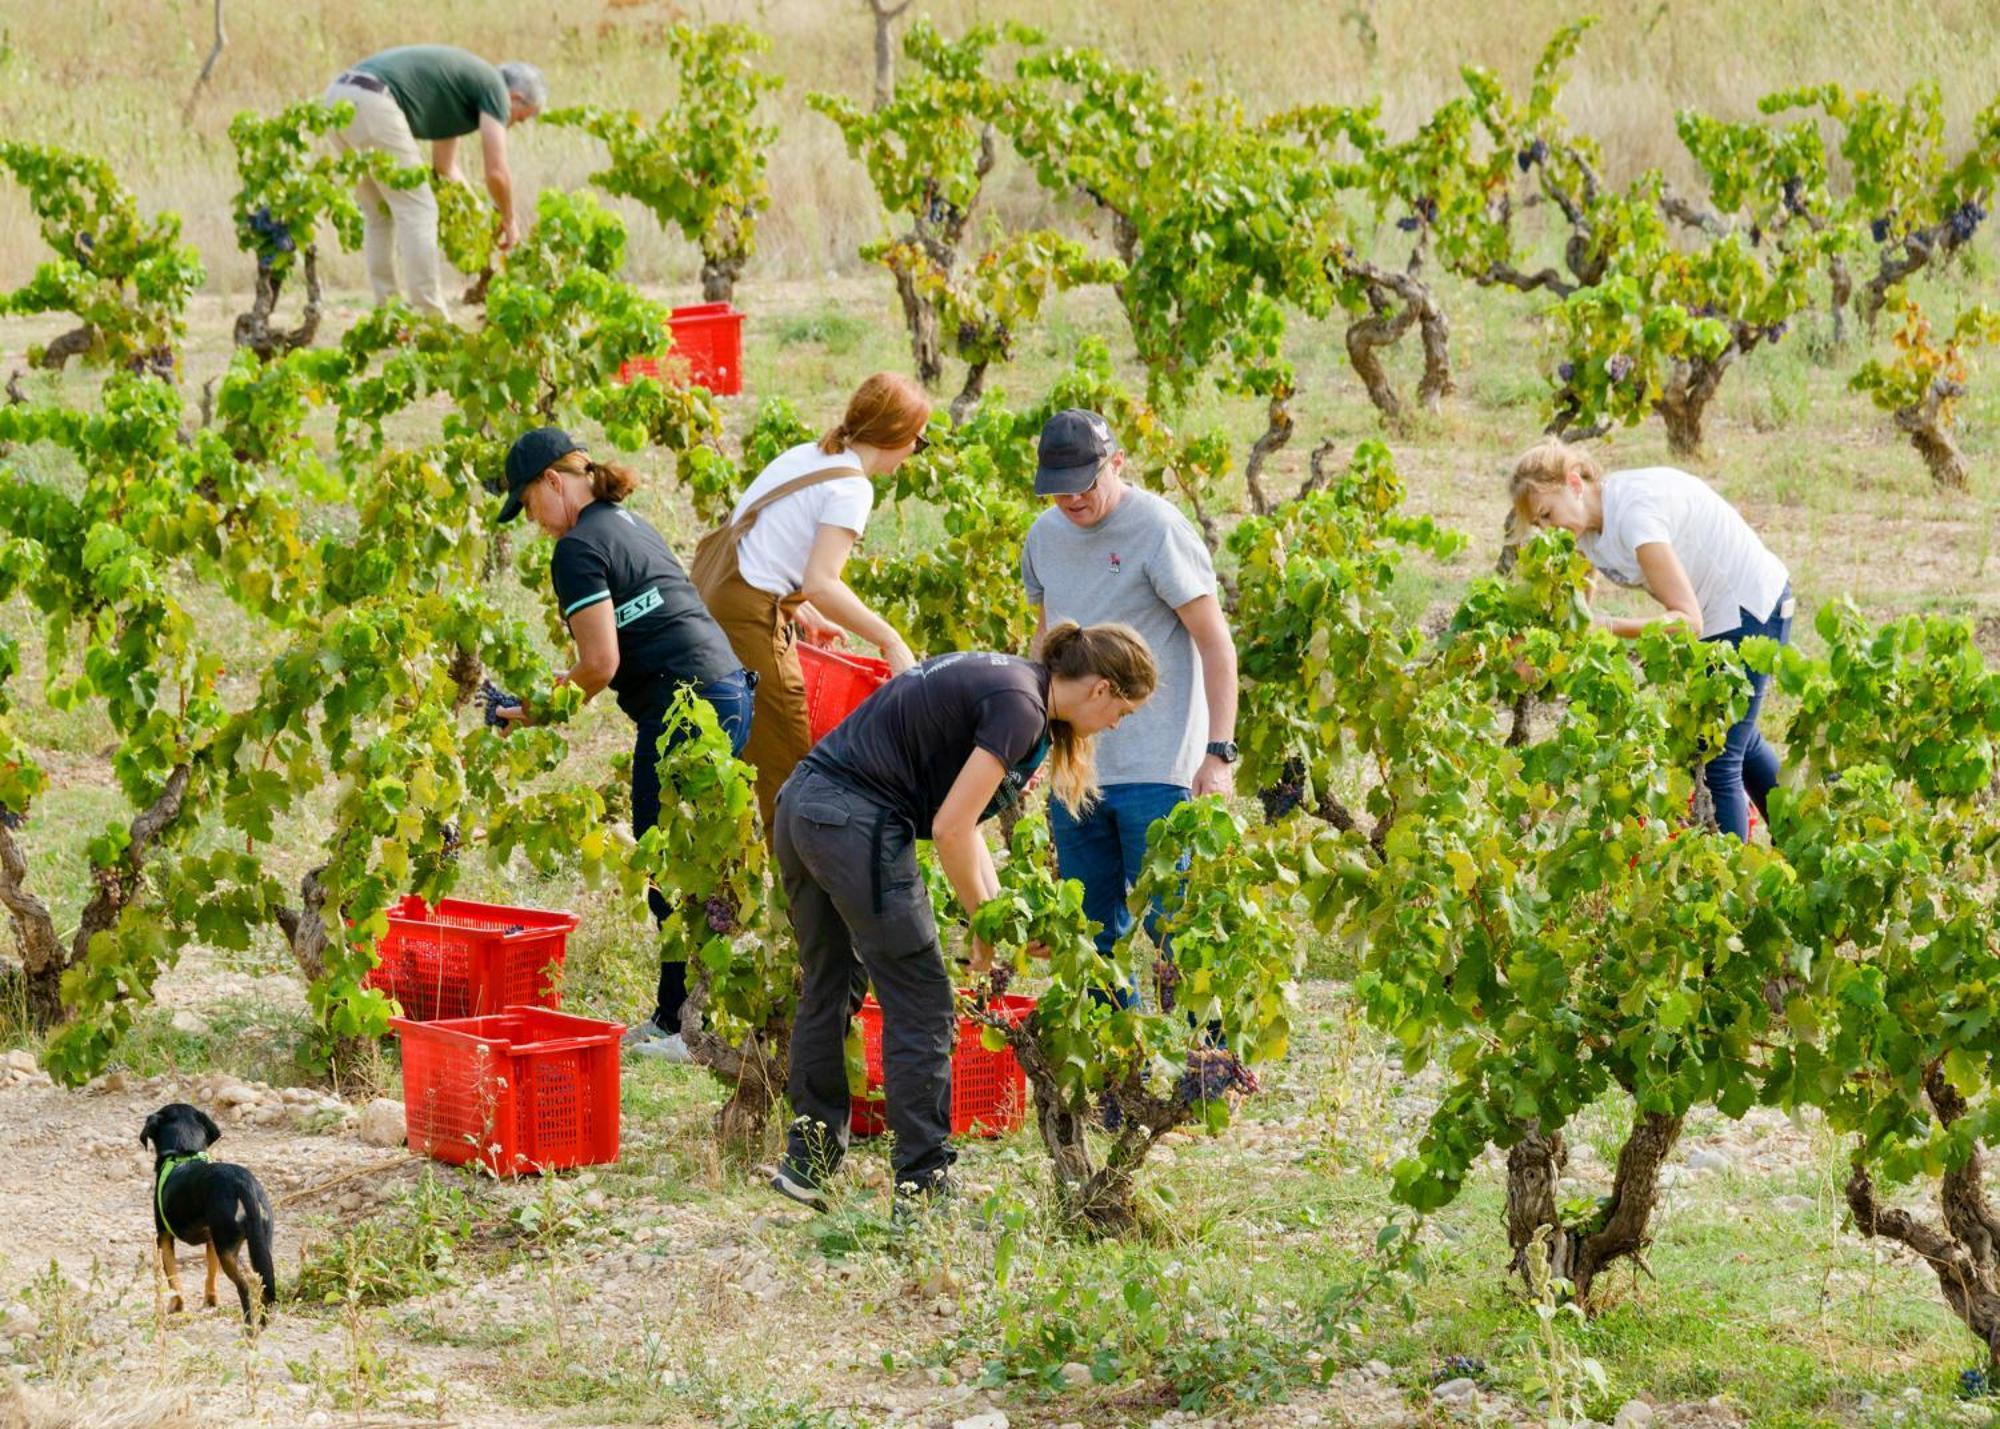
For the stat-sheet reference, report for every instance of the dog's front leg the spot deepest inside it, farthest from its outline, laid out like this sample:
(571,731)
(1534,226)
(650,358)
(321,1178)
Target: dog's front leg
(208,1295)
(166,1243)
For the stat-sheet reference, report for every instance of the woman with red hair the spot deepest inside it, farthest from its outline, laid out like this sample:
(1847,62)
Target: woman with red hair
(776,567)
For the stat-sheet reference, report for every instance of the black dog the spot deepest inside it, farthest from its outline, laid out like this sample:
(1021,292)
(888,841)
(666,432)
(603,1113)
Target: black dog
(208,1203)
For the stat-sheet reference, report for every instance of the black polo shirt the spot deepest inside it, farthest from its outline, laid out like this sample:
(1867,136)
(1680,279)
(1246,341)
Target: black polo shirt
(908,742)
(665,634)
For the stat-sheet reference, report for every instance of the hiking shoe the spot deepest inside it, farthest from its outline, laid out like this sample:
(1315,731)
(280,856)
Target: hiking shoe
(916,1203)
(673,1048)
(794,1185)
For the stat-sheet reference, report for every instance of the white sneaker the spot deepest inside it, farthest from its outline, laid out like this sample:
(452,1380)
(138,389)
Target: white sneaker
(647,1031)
(672,1049)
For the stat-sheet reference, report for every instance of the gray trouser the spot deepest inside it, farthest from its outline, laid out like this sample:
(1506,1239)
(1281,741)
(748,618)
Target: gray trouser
(850,871)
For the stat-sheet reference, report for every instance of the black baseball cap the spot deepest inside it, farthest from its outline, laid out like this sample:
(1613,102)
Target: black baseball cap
(1074,447)
(532,454)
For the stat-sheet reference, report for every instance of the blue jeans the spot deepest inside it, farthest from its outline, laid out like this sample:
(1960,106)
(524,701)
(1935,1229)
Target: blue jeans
(1746,770)
(734,701)
(1105,851)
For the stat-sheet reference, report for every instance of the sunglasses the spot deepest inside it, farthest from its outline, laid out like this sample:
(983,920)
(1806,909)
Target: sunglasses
(1103,462)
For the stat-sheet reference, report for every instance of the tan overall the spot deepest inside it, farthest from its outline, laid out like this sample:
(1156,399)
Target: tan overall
(760,630)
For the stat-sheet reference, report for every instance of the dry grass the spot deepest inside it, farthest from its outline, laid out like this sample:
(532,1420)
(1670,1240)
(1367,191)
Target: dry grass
(112,75)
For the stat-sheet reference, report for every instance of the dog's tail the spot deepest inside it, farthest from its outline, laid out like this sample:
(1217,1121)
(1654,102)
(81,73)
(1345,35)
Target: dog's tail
(258,1228)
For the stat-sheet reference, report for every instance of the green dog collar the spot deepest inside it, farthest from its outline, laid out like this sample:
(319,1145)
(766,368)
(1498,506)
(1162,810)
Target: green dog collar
(169,1165)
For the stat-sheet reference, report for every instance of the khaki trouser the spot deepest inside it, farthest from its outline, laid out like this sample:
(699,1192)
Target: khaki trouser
(393,221)
(760,631)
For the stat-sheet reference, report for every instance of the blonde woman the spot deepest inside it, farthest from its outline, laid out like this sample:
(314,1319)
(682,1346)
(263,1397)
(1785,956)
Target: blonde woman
(776,567)
(939,748)
(1666,532)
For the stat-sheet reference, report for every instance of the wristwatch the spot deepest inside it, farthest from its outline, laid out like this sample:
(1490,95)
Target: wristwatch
(1226,751)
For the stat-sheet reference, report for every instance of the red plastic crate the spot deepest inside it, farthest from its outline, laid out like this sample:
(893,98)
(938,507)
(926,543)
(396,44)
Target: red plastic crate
(989,1092)
(836,684)
(460,959)
(707,350)
(523,1090)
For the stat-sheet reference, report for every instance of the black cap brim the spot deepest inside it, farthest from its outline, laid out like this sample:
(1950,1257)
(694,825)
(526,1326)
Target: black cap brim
(510,508)
(1067,480)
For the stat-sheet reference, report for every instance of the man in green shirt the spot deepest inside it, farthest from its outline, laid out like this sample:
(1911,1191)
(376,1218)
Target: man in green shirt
(439,93)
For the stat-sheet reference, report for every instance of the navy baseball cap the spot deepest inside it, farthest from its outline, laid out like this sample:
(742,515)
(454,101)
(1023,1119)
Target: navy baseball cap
(532,454)
(1074,447)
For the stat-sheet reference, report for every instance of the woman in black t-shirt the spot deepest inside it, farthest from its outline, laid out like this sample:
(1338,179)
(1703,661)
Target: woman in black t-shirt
(640,629)
(944,745)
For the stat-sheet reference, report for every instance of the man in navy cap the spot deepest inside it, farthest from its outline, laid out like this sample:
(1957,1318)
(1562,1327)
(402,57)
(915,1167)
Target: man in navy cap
(1106,551)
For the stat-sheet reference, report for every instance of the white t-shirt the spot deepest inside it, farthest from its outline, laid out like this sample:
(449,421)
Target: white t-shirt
(1729,567)
(773,556)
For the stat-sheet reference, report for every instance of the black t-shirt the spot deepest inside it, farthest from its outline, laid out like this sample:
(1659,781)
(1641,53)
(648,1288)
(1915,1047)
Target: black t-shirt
(665,633)
(908,742)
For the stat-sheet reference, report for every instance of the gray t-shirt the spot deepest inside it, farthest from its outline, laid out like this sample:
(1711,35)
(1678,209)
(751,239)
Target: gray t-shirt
(1138,565)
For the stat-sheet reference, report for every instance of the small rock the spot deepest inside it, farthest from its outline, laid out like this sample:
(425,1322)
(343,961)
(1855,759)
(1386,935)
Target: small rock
(1377,1369)
(991,1419)
(22,1060)
(1794,1205)
(21,1321)
(1633,1414)
(1868,1404)
(1707,1158)
(1075,1375)
(117,1081)
(188,1021)
(235,1094)
(1456,1391)
(269,1114)
(382,1122)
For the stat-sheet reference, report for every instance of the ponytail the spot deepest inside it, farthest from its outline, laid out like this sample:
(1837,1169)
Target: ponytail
(886,411)
(611,482)
(608,480)
(1116,654)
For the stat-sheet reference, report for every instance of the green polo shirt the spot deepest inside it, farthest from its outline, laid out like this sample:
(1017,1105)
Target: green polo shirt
(442,90)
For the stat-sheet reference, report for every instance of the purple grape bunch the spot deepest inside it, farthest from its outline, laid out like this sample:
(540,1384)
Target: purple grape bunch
(1618,367)
(720,911)
(13,820)
(1287,794)
(1532,155)
(449,836)
(496,699)
(1795,195)
(272,235)
(1000,977)
(1878,229)
(1965,221)
(1567,371)
(1459,1367)
(1212,1073)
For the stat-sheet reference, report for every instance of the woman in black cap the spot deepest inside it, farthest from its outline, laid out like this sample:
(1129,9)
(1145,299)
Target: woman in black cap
(639,628)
